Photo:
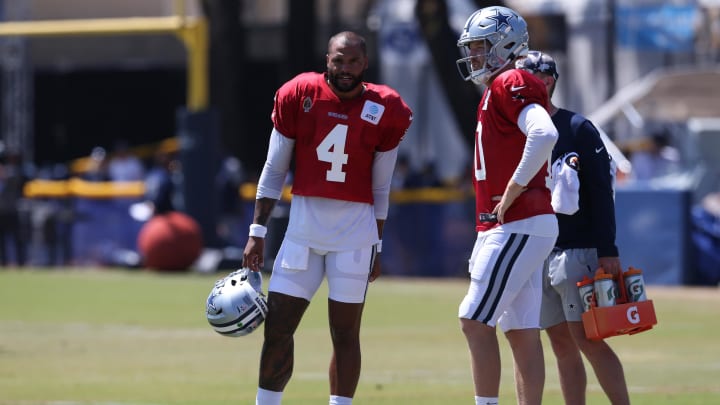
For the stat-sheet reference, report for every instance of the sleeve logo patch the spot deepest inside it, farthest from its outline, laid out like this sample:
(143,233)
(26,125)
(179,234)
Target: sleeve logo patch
(372,112)
(307,104)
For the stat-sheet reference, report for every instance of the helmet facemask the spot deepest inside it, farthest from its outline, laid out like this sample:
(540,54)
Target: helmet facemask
(479,66)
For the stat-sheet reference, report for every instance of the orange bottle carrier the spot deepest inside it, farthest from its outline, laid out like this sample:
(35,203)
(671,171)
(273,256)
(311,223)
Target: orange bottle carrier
(623,318)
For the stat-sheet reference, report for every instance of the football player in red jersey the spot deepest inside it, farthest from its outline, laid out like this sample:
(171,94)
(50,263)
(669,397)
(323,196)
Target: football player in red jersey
(514,218)
(343,134)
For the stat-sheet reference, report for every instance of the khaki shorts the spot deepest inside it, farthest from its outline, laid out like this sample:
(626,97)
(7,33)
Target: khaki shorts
(563,269)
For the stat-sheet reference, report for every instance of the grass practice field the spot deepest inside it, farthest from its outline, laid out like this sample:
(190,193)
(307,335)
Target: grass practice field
(121,337)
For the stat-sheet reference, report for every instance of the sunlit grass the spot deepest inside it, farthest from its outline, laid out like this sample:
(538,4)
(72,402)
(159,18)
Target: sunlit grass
(124,337)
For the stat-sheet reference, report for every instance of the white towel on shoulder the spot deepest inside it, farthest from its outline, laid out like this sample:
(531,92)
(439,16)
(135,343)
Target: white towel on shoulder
(566,184)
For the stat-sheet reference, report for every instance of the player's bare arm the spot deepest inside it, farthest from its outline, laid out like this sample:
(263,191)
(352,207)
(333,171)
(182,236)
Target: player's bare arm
(376,269)
(253,257)
(263,209)
(383,166)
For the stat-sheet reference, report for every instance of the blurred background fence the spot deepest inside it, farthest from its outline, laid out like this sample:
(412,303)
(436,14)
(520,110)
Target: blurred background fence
(429,233)
(98,96)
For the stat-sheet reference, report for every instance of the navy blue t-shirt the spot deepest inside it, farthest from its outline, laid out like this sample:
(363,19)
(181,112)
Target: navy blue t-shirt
(593,225)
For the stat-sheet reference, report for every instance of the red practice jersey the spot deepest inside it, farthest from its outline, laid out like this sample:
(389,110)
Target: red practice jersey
(335,140)
(499,145)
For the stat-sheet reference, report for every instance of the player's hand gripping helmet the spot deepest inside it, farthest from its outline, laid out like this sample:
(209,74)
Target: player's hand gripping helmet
(505,37)
(236,305)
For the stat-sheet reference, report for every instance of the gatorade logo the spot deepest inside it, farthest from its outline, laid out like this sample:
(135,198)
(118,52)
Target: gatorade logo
(633,315)
(636,290)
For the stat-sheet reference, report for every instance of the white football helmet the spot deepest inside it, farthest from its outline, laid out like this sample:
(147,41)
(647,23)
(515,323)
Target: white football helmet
(505,37)
(236,305)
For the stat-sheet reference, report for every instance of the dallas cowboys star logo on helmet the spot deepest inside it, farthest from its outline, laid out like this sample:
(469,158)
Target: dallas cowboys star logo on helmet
(501,19)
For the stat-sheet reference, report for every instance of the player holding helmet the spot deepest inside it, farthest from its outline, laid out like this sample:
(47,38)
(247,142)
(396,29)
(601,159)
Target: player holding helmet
(515,221)
(343,134)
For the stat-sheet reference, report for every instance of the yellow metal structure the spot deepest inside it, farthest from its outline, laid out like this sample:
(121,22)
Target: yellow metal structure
(192,32)
(76,187)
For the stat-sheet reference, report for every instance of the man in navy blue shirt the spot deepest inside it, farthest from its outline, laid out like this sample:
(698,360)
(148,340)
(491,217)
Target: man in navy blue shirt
(583,199)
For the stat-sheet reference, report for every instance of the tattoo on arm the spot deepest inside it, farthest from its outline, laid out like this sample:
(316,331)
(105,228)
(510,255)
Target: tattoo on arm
(263,208)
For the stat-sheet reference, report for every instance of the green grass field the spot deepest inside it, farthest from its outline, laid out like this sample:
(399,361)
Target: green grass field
(121,337)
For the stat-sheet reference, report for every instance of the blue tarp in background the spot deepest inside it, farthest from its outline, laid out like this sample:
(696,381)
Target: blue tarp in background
(706,246)
(667,27)
(653,234)
(101,228)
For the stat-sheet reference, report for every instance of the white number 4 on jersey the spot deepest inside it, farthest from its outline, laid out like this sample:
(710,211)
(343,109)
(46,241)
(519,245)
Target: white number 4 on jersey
(332,150)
